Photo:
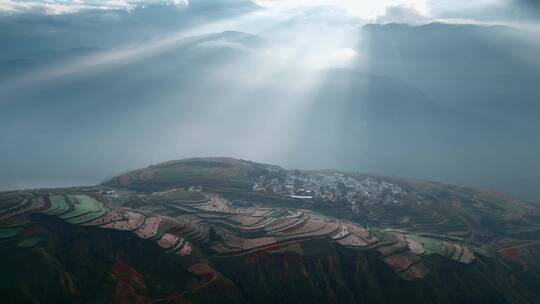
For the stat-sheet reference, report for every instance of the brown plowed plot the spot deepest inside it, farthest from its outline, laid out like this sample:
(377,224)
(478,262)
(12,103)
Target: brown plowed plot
(250,244)
(232,242)
(400,245)
(149,228)
(308,227)
(168,241)
(175,228)
(216,204)
(467,256)
(260,226)
(457,252)
(227,225)
(200,269)
(327,230)
(295,214)
(353,240)
(111,216)
(360,232)
(245,220)
(415,246)
(279,224)
(220,248)
(449,249)
(185,249)
(257,212)
(416,271)
(343,232)
(297,223)
(401,261)
(134,221)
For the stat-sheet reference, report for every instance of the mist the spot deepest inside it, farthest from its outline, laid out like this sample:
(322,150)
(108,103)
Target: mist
(90,94)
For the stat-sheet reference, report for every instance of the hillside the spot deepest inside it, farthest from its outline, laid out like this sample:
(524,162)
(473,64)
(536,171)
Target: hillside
(220,229)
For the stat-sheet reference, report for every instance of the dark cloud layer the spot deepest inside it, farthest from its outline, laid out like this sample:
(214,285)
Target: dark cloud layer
(27,32)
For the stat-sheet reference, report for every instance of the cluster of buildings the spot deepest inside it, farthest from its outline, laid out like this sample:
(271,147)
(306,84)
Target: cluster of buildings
(331,187)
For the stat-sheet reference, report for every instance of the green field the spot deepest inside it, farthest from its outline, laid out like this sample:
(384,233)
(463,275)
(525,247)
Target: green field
(83,204)
(7,233)
(164,226)
(58,205)
(87,217)
(29,242)
(431,246)
(14,222)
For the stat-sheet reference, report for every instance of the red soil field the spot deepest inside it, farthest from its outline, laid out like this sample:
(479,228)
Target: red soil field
(149,228)
(401,261)
(130,286)
(111,216)
(200,269)
(400,245)
(249,244)
(415,246)
(467,256)
(134,221)
(167,241)
(353,240)
(309,226)
(416,271)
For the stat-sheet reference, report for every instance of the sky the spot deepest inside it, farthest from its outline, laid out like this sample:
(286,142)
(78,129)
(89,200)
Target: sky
(89,89)
(410,11)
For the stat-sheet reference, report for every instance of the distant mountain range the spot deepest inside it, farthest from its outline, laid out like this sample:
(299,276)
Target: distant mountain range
(438,101)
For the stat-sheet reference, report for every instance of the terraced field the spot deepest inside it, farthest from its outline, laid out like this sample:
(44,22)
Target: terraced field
(411,239)
(217,173)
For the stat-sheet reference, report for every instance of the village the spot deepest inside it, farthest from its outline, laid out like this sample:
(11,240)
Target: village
(332,188)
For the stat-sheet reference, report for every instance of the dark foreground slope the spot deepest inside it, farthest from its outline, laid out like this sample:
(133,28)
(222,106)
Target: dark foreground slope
(87,265)
(222,230)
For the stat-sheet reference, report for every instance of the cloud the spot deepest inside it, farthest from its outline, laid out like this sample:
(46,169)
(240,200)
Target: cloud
(365,10)
(421,11)
(52,7)
(402,14)
(501,11)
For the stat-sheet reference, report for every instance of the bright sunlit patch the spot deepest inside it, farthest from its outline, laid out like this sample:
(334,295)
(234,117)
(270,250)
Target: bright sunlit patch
(344,55)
